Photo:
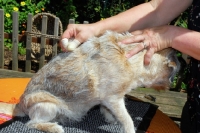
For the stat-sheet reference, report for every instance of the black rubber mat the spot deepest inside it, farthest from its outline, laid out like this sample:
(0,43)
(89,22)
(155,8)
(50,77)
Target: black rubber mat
(94,122)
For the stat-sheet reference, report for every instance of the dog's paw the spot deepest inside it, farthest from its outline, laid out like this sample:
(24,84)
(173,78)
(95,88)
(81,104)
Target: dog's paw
(47,127)
(56,129)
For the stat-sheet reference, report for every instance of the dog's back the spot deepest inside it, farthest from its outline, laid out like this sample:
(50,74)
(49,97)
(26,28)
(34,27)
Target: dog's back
(101,61)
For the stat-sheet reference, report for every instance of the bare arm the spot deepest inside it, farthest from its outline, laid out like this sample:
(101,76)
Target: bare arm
(151,14)
(188,42)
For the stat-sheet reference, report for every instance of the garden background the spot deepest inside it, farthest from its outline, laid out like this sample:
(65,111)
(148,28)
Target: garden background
(80,10)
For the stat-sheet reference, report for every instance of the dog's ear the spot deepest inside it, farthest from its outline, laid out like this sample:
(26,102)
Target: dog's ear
(172,64)
(173,60)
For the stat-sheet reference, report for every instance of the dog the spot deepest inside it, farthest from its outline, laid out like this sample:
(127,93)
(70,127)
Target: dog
(95,73)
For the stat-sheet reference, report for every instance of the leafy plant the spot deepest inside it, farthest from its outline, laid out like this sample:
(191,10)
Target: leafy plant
(111,9)
(64,9)
(21,49)
(8,43)
(93,11)
(181,20)
(23,7)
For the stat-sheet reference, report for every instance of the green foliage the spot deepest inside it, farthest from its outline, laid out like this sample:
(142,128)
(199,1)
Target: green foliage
(64,9)
(174,83)
(8,43)
(111,9)
(183,86)
(93,11)
(23,7)
(21,49)
(9,6)
(181,21)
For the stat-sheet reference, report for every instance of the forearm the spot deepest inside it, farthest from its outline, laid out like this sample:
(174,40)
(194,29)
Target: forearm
(188,42)
(150,14)
(132,19)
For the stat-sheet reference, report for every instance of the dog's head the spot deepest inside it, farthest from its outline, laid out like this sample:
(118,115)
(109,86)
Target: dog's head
(161,71)
(158,74)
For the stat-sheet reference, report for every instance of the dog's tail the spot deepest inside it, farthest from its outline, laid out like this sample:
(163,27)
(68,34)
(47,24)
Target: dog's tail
(11,109)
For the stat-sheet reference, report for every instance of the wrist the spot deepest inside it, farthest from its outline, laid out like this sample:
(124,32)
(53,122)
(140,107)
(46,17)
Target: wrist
(179,35)
(187,41)
(176,35)
(98,28)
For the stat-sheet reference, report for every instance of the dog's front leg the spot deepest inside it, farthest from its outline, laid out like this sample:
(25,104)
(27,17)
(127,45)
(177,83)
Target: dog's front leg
(117,107)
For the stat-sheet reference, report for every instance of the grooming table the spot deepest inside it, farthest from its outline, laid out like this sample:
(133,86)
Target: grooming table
(147,118)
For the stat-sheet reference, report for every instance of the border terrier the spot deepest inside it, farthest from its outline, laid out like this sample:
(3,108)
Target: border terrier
(95,73)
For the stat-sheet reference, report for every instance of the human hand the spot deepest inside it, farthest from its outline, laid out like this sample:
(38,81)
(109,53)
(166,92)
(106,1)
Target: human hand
(77,33)
(152,39)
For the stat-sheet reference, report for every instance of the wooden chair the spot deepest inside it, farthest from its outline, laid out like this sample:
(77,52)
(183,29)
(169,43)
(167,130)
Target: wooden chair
(37,28)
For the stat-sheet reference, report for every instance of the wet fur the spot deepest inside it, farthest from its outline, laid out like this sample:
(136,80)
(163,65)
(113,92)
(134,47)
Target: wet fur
(95,73)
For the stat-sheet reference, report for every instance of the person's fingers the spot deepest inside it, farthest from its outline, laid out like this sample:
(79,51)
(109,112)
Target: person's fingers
(63,43)
(138,48)
(133,39)
(148,56)
(70,32)
(70,39)
(135,50)
(137,32)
